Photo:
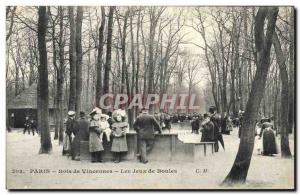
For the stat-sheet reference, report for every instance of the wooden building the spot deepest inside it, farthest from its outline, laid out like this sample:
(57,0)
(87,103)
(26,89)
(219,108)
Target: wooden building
(25,104)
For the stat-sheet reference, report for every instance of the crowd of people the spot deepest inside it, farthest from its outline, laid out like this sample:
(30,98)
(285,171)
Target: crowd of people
(113,126)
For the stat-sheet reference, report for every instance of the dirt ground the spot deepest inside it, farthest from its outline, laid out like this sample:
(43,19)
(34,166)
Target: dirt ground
(28,170)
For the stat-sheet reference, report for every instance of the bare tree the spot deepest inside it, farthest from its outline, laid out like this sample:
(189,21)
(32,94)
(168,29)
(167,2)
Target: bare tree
(154,14)
(72,60)
(263,42)
(60,75)
(12,12)
(100,57)
(43,96)
(79,54)
(107,67)
(284,135)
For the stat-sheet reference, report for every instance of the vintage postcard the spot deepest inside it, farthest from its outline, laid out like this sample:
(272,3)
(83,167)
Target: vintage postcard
(150,97)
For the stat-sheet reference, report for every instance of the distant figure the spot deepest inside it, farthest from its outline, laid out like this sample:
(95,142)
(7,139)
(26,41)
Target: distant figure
(175,118)
(241,116)
(12,120)
(33,124)
(95,143)
(267,134)
(207,129)
(158,117)
(167,121)
(81,135)
(28,126)
(145,126)
(119,143)
(195,125)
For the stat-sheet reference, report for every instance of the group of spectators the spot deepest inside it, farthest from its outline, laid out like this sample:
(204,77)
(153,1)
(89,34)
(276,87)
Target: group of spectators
(113,126)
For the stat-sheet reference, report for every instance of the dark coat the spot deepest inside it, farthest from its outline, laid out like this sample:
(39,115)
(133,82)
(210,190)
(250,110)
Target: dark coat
(71,127)
(207,131)
(269,141)
(195,124)
(81,135)
(83,129)
(145,126)
(223,124)
(216,120)
(264,126)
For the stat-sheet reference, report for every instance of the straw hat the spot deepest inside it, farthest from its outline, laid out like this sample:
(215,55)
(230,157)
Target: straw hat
(96,110)
(104,116)
(71,113)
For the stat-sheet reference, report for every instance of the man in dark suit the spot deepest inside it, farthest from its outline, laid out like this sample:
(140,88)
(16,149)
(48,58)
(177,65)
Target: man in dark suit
(207,129)
(145,126)
(216,119)
(81,134)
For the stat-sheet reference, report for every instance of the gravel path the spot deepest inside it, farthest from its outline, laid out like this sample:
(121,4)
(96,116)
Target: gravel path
(28,170)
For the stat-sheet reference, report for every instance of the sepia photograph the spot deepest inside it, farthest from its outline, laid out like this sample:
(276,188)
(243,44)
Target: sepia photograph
(150,97)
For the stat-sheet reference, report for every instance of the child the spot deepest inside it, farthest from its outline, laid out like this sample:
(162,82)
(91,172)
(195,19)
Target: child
(95,143)
(119,143)
(104,126)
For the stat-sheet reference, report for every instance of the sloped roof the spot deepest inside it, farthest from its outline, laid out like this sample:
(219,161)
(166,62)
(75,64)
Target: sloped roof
(27,99)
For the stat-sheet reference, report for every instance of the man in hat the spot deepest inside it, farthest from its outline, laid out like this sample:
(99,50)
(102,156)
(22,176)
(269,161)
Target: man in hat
(145,126)
(195,125)
(216,119)
(26,125)
(71,128)
(81,135)
(207,129)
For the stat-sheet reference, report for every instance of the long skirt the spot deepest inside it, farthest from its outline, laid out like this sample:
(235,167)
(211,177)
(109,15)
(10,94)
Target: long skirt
(95,143)
(67,145)
(119,144)
(269,143)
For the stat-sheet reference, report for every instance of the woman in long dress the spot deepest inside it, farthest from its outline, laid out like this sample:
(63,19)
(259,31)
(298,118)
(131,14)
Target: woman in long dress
(95,143)
(119,143)
(267,134)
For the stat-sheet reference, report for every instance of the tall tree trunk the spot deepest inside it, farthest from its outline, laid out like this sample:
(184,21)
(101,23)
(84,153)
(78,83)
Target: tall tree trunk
(99,58)
(60,76)
(155,14)
(123,52)
(72,59)
(133,63)
(108,52)
(284,135)
(46,145)
(53,36)
(291,117)
(78,58)
(263,42)
(137,57)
